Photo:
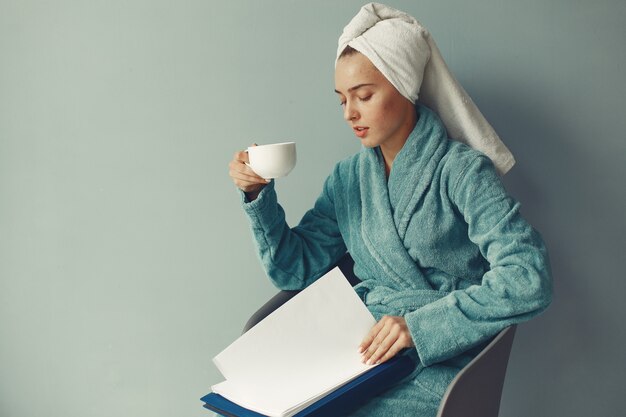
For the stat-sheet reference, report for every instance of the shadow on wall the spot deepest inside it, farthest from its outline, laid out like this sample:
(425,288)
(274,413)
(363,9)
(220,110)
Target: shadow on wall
(572,196)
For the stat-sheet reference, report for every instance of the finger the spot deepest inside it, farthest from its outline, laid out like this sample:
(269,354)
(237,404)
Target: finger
(239,175)
(241,156)
(248,187)
(241,170)
(243,167)
(391,352)
(367,341)
(380,342)
(247,177)
(382,347)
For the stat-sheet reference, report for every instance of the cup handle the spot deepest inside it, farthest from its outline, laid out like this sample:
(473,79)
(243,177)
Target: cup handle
(247,164)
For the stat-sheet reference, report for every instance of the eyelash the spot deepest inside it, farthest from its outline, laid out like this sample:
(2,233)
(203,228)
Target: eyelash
(343,103)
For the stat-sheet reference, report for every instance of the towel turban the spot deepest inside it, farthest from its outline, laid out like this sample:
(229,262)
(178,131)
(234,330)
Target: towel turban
(406,54)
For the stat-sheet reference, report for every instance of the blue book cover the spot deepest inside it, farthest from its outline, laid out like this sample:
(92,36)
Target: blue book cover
(338,402)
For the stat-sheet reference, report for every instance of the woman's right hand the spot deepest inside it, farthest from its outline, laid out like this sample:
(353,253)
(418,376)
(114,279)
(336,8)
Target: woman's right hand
(244,177)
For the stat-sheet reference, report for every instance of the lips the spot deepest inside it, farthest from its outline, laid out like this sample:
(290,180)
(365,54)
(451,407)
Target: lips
(360,131)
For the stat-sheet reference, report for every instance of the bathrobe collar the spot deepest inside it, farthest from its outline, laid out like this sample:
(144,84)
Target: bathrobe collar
(388,206)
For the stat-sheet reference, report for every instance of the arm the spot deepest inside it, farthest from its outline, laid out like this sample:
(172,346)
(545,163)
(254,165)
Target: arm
(517,287)
(295,257)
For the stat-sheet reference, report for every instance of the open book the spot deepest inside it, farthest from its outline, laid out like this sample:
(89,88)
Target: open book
(300,353)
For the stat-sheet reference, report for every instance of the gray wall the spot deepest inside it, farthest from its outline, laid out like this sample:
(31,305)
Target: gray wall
(126,263)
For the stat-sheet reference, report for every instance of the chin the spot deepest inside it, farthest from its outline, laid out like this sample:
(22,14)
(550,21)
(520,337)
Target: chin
(368,143)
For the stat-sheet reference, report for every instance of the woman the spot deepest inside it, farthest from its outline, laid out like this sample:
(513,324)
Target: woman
(445,258)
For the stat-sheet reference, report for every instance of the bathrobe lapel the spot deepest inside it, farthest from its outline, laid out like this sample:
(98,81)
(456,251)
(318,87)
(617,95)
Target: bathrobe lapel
(387,207)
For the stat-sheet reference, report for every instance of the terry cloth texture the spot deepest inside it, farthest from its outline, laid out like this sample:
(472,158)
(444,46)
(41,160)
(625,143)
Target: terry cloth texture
(406,54)
(440,243)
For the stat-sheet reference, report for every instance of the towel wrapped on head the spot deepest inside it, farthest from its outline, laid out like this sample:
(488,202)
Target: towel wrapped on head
(406,54)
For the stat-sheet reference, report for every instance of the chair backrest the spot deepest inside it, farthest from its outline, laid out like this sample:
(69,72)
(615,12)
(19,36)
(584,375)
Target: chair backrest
(477,388)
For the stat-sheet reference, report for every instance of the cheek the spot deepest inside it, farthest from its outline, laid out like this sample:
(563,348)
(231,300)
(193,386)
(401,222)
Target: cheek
(390,112)
(382,111)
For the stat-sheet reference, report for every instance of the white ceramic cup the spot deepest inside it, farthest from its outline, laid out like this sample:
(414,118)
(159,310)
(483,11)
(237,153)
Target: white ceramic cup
(272,161)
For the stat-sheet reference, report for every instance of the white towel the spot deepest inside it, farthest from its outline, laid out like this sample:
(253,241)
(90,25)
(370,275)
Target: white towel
(406,54)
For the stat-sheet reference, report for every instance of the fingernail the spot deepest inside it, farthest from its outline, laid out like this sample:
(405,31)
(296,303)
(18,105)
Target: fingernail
(369,362)
(360,349)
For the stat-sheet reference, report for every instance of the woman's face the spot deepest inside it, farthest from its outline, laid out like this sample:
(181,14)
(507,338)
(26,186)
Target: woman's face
(378,114)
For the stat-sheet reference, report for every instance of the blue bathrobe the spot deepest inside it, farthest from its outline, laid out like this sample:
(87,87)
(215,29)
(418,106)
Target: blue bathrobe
(440,242)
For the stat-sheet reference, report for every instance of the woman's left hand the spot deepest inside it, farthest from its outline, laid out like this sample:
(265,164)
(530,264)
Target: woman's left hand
(388,337)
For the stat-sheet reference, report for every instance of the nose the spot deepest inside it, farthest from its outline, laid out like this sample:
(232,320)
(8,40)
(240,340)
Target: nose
(349,112)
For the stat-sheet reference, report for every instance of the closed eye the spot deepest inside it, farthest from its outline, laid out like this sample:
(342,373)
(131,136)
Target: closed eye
(365,98)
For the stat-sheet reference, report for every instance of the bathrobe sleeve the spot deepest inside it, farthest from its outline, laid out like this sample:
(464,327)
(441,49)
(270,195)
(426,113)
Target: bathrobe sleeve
(295,257)
(517,286)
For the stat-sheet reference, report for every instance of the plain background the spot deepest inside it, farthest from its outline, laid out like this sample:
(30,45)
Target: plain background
(126,262)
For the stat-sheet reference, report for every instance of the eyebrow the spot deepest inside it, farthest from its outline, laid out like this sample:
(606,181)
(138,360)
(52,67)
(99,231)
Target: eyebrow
(356,87)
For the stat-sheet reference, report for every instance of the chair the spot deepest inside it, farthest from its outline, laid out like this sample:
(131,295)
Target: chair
(477,388)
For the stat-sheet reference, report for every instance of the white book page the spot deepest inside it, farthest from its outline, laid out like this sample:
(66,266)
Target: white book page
(306,347)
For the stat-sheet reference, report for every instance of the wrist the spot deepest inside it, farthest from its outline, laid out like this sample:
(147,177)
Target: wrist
(252,195)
